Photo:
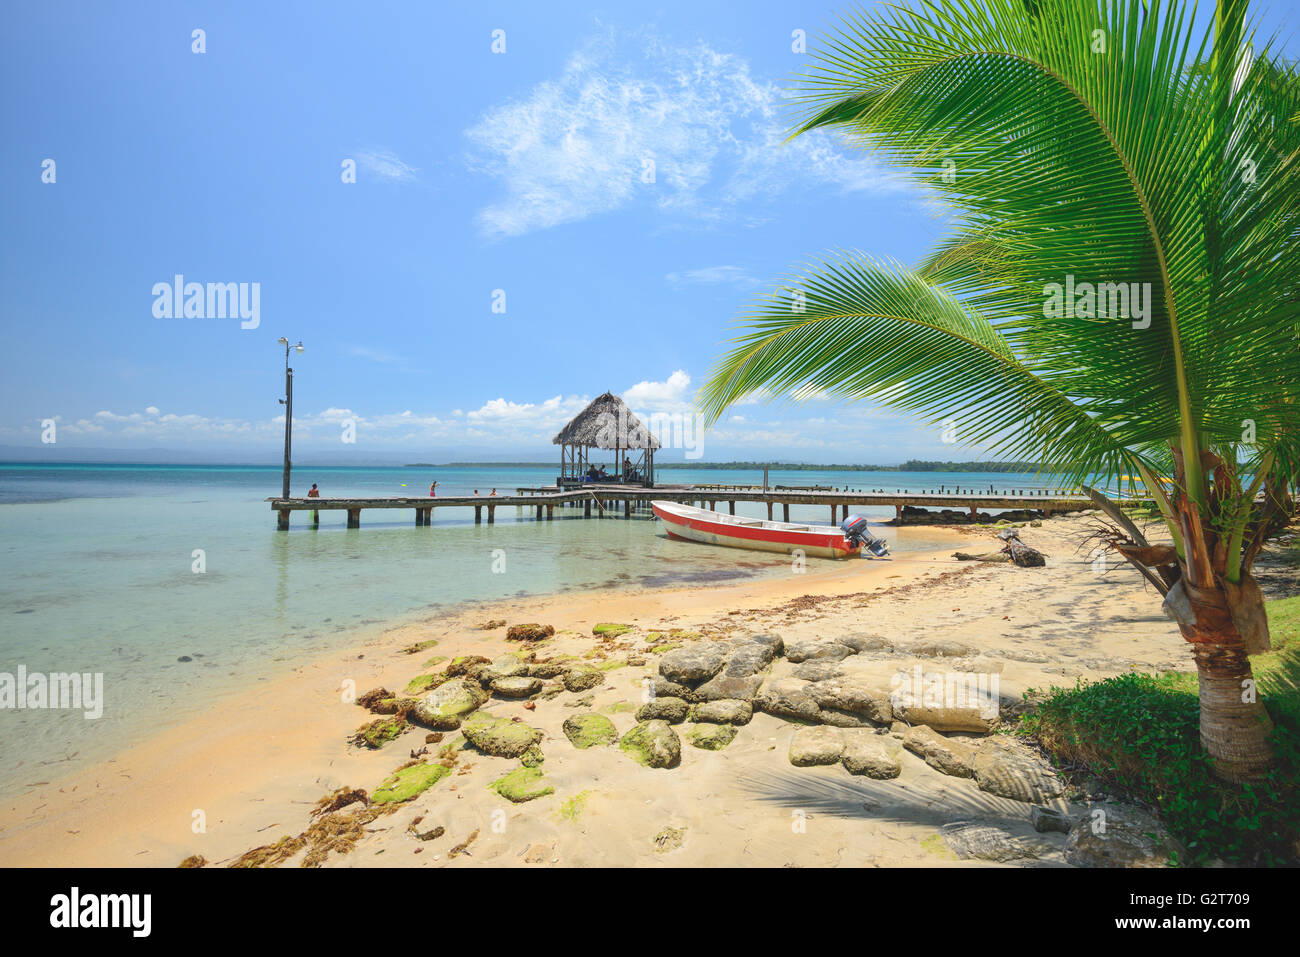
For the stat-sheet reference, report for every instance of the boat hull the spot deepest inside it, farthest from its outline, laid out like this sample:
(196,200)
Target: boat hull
(712,528)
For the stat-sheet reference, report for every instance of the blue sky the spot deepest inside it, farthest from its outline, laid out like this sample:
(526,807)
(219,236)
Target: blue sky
(524,171)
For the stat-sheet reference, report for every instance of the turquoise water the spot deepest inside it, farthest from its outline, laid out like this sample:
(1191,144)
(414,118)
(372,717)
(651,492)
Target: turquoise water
(98,575)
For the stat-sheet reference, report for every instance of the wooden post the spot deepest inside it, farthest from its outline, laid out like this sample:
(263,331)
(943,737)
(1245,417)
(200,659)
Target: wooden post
(586,508)
(974,512)
(354,518)
(419,516)
(834,510)
(769,511)
(898,514)
(627,508)
(785,511)
(282,523)
(732,507)
(550,512)
(478,514)
(315,518)
(428,515)
(539,513)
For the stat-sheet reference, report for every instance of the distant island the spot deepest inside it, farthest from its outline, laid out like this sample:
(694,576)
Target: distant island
(912,465)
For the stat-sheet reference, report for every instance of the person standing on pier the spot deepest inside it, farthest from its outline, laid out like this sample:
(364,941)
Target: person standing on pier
(433,490)
(313,492)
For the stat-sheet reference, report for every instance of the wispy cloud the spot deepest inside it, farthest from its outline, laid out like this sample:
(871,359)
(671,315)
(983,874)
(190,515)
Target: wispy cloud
(689,131)
(717,275)
(386,165)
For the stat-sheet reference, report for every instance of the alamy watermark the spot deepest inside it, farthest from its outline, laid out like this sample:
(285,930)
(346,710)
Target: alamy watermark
(24,691)
(1085,300)
(673,430)
(950,690)
(179,299)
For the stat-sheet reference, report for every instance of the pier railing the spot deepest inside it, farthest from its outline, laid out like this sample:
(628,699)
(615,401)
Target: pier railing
(634,499)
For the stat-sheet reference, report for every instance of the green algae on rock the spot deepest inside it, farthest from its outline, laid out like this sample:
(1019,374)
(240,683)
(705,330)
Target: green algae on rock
(653,744)
(408,782)
(422,683)
(582,678)
(443,708)
(611,629)
(530,631)
(419,646)
(590,730)
(532,758)
(522,784)
(711,737)
(499,736)
(378,733)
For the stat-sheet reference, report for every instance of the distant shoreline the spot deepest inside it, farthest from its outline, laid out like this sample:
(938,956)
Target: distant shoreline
(913,465)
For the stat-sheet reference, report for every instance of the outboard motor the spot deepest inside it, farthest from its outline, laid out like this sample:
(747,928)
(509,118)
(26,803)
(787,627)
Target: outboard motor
(855,531)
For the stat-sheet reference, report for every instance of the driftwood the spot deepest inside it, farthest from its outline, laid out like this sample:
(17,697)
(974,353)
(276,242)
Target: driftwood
(1019,552)
(986,557)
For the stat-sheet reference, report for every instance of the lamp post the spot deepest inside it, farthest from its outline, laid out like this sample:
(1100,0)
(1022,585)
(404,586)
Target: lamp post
(287,402)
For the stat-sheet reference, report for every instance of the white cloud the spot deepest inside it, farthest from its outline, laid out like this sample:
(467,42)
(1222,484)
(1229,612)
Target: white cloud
(716,275)
(667,396)
(583,143)
(386,165)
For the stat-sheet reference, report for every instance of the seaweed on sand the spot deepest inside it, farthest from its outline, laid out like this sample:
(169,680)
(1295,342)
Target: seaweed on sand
(338,799)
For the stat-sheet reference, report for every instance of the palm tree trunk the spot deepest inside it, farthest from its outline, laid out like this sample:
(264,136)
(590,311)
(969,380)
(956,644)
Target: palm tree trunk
(1235,727)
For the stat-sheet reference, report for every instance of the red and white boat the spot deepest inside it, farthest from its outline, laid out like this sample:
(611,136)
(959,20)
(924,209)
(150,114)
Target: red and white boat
(736,531)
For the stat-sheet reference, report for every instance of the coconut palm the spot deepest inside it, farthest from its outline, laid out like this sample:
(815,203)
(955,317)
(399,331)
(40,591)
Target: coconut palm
(1119,293)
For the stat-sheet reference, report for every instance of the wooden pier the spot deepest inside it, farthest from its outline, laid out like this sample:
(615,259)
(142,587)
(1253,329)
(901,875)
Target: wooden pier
(616,499)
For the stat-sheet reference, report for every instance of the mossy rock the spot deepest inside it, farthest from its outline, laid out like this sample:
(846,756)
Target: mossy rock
(422,683)
(663,649)
(434,661)
(498,736)
(419,646)
(590,730)
(711,737)
(672,710)
(610,629)
(376,734)
(532,758)
(401,706)
(522,784)
(582,678)
(653,744)
(619,707)
(612,665)
(443,708)
(530,631)
(466,666)
(516,687)
(408,782)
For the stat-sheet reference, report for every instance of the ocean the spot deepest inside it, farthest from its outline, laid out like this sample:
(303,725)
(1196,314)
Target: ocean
(125,569)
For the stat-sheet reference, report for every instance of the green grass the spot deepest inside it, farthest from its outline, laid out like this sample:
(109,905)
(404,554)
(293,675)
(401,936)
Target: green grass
(1139,733)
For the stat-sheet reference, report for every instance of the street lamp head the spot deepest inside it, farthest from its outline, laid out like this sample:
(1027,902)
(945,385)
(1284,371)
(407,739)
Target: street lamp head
(299,346)
(283,341)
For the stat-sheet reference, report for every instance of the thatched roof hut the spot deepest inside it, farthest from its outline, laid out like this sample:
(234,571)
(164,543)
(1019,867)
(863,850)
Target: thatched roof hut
(607,424)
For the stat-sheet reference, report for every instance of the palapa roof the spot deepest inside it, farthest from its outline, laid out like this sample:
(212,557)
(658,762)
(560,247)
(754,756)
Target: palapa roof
(607,423)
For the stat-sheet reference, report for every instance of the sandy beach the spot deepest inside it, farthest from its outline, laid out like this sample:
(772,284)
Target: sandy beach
(249,770)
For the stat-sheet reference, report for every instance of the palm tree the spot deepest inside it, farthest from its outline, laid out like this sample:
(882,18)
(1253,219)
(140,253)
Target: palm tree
(1119,295)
